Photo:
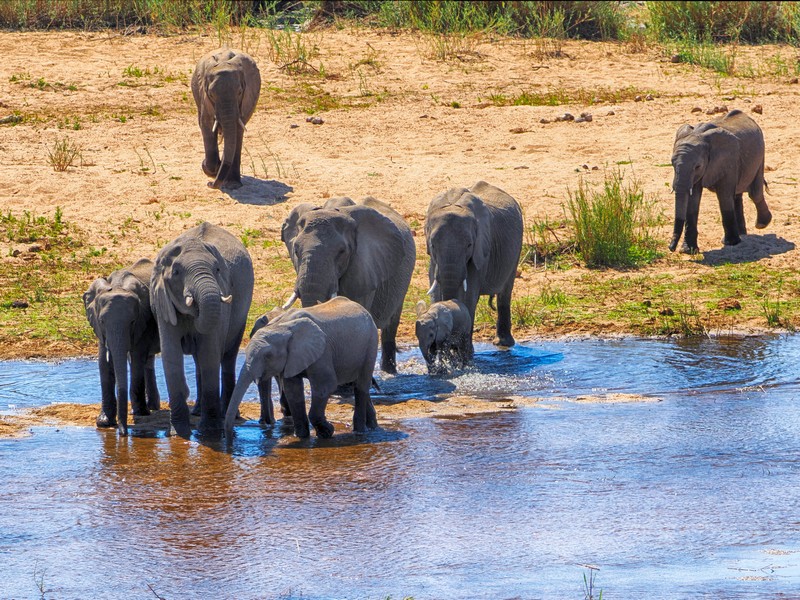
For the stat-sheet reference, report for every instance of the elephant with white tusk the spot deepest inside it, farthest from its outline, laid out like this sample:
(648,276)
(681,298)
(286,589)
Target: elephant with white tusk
(118,309)
(225,85)
(201,290)
(474,239)
(363,251)
(725,155)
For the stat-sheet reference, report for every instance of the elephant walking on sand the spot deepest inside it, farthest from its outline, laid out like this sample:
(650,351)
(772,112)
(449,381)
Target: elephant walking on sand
(201,290)
(363,251)
(225,85)
(118,309)
(474,239)
(330,344)
(726,156)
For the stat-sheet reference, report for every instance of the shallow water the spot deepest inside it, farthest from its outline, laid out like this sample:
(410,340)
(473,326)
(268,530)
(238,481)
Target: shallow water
(695,496)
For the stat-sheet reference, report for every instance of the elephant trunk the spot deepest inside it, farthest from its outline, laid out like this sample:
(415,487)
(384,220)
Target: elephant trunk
(452,277)
(118,348)
(209,303)
(681,206)
(242,383)
(228,120)
(316,282)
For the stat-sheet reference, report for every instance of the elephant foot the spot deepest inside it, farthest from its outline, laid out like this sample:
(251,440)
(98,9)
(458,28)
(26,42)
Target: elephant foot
(302,430)
(104,422)
(389,366)
(196,410)
(154,404)
(141,411)
(181,428)
(733,241)
(346,390)
(122,429)
(763,220)
(209,425)
(505,340)
(210,170)
(691,250)
(324,429)
(266,423)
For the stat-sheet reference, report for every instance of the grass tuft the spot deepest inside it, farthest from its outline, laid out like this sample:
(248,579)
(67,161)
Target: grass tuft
(63,154)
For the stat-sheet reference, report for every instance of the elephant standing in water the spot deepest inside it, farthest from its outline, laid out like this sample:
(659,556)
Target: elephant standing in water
(225,85)
(330,344)
(363,251)
(118,309)
(443,332)
(201,290)
(726,156)
(474,239)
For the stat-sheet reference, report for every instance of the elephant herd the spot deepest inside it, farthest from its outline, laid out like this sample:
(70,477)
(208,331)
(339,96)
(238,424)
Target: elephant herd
(353,264)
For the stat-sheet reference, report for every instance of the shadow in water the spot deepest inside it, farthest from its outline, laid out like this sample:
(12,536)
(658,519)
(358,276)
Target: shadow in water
(751,249)
(260,192)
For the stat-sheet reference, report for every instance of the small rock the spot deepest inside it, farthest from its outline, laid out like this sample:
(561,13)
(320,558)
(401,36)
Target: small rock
(315,120)
(35,248)
(595,168)
(647,303)
(585,166)
(521,167)
(543,120)
(610,113)
(518,130)
(294,126)
(512,147)
(675,58)
(638,98)
(585,116)
(15,252)
(423,116)
(580,120)
(793,80)
(19,304)
(565,117)
(758,109)
(10,119)
(697,109)
(648,97)
(729,98)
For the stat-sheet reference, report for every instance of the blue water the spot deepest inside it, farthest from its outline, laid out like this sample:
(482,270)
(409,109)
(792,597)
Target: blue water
(691,493)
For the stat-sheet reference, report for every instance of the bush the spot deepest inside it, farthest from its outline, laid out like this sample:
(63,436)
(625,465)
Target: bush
(611,227)
(726,21)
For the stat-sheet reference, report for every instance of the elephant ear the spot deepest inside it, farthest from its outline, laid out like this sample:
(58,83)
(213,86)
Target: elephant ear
(99,285)
(724,151)
(159,296)
(421,308)
(306,346)
(378,253)
(444,325)
(482,247)
(683,131)
(291,227)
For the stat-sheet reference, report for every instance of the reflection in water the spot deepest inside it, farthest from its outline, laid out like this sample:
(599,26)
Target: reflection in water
(694,496)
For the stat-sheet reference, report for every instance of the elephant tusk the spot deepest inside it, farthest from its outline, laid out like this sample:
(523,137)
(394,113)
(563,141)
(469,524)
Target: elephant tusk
(189,300)
(227,299)
(214,127)
(242,124)
(290,301)
(433,288)
(465,284)
(108,356)
(690,191)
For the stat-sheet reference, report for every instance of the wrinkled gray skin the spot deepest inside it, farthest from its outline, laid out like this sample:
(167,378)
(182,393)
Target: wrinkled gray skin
(267,416)
(363,251)
(330,344)
(118,309)
(201,290)
(726,156)
(225,85)
(443,332)
(474,239)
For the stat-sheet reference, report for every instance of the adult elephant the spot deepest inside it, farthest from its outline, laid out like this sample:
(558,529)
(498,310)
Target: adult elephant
(474,239)
(118,309)
(330,344)
(225,84)
(726,156)
(201,290)
(363,251)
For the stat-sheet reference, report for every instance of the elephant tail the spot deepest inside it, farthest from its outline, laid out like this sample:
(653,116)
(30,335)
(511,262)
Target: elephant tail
(490,302)
(766,187)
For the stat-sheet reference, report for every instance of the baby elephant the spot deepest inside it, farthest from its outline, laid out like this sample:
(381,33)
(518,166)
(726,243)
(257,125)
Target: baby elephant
(330,344)
(443,331)
(118,309)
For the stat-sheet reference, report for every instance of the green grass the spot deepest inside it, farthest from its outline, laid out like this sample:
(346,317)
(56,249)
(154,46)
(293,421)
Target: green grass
(612,225)
(63,154)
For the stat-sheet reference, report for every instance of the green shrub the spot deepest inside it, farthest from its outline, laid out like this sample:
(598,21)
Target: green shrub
(611,226)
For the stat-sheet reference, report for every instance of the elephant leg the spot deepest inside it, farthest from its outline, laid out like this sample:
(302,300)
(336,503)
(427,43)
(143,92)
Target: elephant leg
(295,399)
(727,208)
(738,208)
(504,337)
(150,385)
(210,402)
(197,387)
(108,406)
(172,359)
(692,212)
(286,411)
(228,376)
(389,345)
(235,174)
(137,387)
(211,146)
(364,411)
(267,416)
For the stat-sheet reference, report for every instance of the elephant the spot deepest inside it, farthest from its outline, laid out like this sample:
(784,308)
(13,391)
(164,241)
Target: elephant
(225,84)
(267,416)
(118,309)
(364,251)
(443,332)
(726,156)
(330,344)
(474,239)
(201,290)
